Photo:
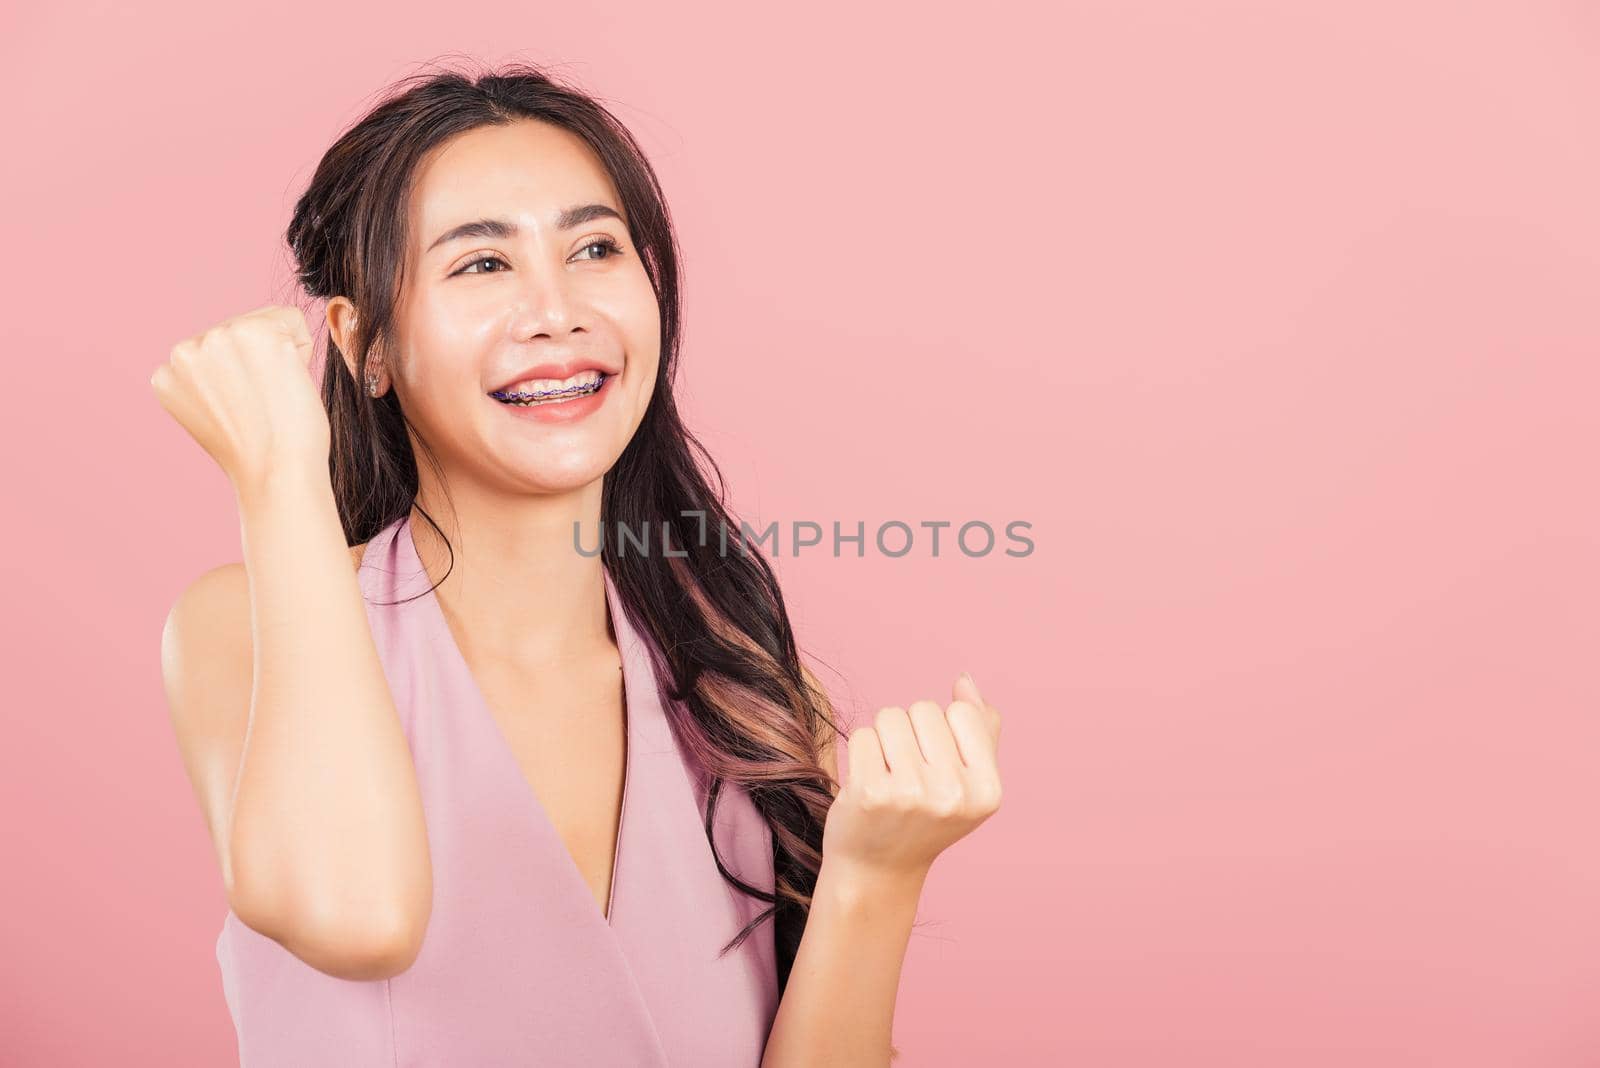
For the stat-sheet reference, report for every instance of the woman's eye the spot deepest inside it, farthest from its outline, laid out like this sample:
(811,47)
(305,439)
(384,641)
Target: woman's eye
(608,245)
(481,259)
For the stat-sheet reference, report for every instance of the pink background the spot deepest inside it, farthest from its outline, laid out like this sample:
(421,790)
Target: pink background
(1278,323)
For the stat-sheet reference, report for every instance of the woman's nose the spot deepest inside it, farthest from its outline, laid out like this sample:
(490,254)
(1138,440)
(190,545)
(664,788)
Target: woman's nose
(546,303)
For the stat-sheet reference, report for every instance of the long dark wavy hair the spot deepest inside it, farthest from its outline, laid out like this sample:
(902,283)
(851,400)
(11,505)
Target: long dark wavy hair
(741,701)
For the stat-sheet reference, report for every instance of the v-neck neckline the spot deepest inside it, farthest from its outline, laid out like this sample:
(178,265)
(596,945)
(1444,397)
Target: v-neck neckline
(629,715)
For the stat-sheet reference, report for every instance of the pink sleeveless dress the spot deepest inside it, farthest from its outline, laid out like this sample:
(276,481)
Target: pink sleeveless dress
(518,966)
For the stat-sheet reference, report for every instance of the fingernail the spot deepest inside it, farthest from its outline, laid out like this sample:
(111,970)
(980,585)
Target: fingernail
(970,679)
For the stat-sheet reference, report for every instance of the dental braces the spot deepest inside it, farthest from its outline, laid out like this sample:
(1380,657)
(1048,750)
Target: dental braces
(536,394)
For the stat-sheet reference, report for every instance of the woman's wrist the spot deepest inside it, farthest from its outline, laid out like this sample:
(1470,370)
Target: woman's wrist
(854,886)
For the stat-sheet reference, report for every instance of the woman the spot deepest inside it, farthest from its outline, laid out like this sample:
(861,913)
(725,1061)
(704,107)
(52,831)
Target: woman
(487,783)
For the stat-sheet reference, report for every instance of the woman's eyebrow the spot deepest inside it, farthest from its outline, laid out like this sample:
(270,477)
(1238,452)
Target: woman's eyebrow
(566,219)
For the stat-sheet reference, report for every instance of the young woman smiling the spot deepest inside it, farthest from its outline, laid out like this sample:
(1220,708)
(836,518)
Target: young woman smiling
(478,797)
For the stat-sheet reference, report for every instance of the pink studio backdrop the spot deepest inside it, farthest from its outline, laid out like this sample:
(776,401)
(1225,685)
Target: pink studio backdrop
(1277,323)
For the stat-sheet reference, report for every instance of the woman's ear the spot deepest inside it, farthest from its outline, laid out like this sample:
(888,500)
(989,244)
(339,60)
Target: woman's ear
(341,316)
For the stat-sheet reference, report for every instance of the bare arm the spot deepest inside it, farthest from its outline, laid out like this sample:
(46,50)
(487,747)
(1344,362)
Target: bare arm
(838,1006)
(920,779)
(309,788)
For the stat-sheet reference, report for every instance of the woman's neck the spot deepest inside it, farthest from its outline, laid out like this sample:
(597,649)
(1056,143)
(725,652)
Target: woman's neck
(517,586)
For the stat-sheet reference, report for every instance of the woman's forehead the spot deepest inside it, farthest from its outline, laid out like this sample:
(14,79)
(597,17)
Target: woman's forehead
(527,171)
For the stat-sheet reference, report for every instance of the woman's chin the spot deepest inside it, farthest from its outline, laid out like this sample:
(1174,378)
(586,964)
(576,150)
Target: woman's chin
(571,473)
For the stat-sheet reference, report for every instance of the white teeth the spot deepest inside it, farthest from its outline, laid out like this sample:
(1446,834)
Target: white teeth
(535,391)
(545,385)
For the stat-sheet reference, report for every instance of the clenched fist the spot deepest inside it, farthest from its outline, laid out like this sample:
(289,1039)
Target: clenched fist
(919,780)
(243,391)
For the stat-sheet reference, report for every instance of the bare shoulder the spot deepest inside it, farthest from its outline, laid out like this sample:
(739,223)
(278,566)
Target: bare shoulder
(213,613)
(207,665)
(210,619)
(206,672)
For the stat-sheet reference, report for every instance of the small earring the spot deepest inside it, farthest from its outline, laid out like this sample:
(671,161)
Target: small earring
(372,382)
